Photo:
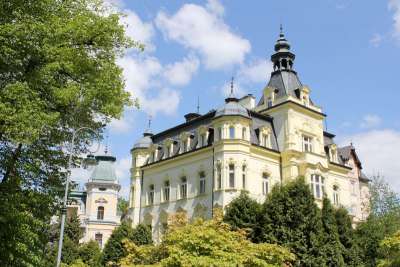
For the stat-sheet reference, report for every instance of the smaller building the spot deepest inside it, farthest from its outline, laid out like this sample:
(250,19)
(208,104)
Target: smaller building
(96,206)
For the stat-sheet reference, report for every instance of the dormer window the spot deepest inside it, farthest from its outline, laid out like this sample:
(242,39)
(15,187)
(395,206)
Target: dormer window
(265,140)
(184,146)
(202,140)
(168,151)
(307,144)
(269,102)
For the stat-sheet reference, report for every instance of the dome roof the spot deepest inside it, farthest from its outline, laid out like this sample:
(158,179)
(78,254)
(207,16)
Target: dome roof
(104,170)
(145,141)
(232,108)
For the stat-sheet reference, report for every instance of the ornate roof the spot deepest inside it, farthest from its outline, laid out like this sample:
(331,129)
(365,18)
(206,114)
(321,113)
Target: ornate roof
(145,141)
(232,108)
(104,170)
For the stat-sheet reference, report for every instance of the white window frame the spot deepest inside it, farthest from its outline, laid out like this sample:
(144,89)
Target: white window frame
(150,195)
(231,174)
(167,191)
(183,188)
(202,140)
(202,183)
(265,140)
(244,133)
(218,184)
(336,195)
(307,143)
(317,185)
(265,183)
(185,145)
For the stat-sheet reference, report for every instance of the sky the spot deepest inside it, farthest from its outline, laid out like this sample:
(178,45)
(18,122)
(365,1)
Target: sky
(347,52)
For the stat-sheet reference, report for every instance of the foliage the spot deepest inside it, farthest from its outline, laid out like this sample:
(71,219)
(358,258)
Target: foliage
(292,219)
(58,72)
(207,243)
(114,250)
(141,235)
(243,213)
(123,208)
(332,248)
(383,221)
(351,253)
(90,253)
(390,249)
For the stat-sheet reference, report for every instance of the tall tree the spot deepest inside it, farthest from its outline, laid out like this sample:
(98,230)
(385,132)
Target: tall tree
(332,247)
(58,72)
(292,219)
(114,249)
(244,213)
(90,254)
(141,235)
(123,208)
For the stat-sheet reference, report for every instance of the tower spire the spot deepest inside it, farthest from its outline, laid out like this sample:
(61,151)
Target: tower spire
(148,132)
(106,147)
(283,58)
(198,105)
(231,94)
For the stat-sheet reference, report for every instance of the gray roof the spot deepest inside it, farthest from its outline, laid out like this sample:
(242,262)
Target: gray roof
(232,108)
(104,170)
(144,142)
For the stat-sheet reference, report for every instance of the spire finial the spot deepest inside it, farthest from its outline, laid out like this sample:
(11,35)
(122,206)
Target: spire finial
(198,105)
(106,147)
(149,124)
(281,28)
(232,86)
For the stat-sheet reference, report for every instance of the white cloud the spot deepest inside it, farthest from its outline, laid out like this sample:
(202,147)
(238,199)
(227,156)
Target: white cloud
(256,71)
(238,90)
(204,31)
(124,124)
(370,121)
(395,6)
(379,151)
(376,40)
(181,72)
(216,7)
(166,101)
(138,30)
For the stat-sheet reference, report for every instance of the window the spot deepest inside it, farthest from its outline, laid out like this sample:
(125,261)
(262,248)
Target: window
(168,151)
(202,140)
(166,191)
(317,185)
(153,156)
(100,213)
(244,176)
(202,185)
(336,195)
(265,140)
(244,133)
(231,176)
(220,133)
(269,102)
(99,239)
(265,185)
(184,146)
(150,198)
(219,177)
(183,188)
(307,144)
(231,132)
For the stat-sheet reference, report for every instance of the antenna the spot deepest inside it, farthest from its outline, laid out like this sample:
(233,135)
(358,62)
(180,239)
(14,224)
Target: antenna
(281,28)
(149,126)
(198,105)
(106,148)
(232,87)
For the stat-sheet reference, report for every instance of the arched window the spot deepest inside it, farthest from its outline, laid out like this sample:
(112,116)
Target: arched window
(336,195)
(99,239)
(231,132)
(231,175)
(166,191)
(100,213)
(265,185)
(183,187)
(150,198)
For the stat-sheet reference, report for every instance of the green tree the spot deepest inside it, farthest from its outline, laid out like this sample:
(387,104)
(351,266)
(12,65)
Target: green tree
(141,235)
(292,219)
(58,72)
(123,208)
(383,221)
(390,251)
(114,249)
(351,253)
(332,247)
(90,254)
(244,213)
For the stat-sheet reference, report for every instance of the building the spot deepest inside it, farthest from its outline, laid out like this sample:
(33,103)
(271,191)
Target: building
(244,145)
(96,206)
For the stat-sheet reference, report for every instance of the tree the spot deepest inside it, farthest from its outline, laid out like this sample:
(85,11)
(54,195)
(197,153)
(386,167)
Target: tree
(207,243)
(383,221)
(351,252)
(58,72)
(292,219)
(390,250)
(114,250)
(123,208)
(141,235)
(332,247)
(243,213)
(90,254)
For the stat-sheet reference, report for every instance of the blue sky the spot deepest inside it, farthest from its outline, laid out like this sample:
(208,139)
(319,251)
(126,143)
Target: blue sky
(347,52)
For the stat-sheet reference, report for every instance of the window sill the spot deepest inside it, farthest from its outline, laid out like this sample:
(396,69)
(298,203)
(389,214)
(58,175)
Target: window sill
(231,189)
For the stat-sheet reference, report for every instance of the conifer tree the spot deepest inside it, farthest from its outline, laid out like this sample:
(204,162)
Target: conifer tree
(90,253)
(332,247)
(141,235)
(292,219)
(243,213)
(114,249)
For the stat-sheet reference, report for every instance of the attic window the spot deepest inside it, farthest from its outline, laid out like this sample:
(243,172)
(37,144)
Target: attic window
(102,189)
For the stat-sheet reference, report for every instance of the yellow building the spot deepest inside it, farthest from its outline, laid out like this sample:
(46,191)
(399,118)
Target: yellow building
(206,161)
(96,206)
